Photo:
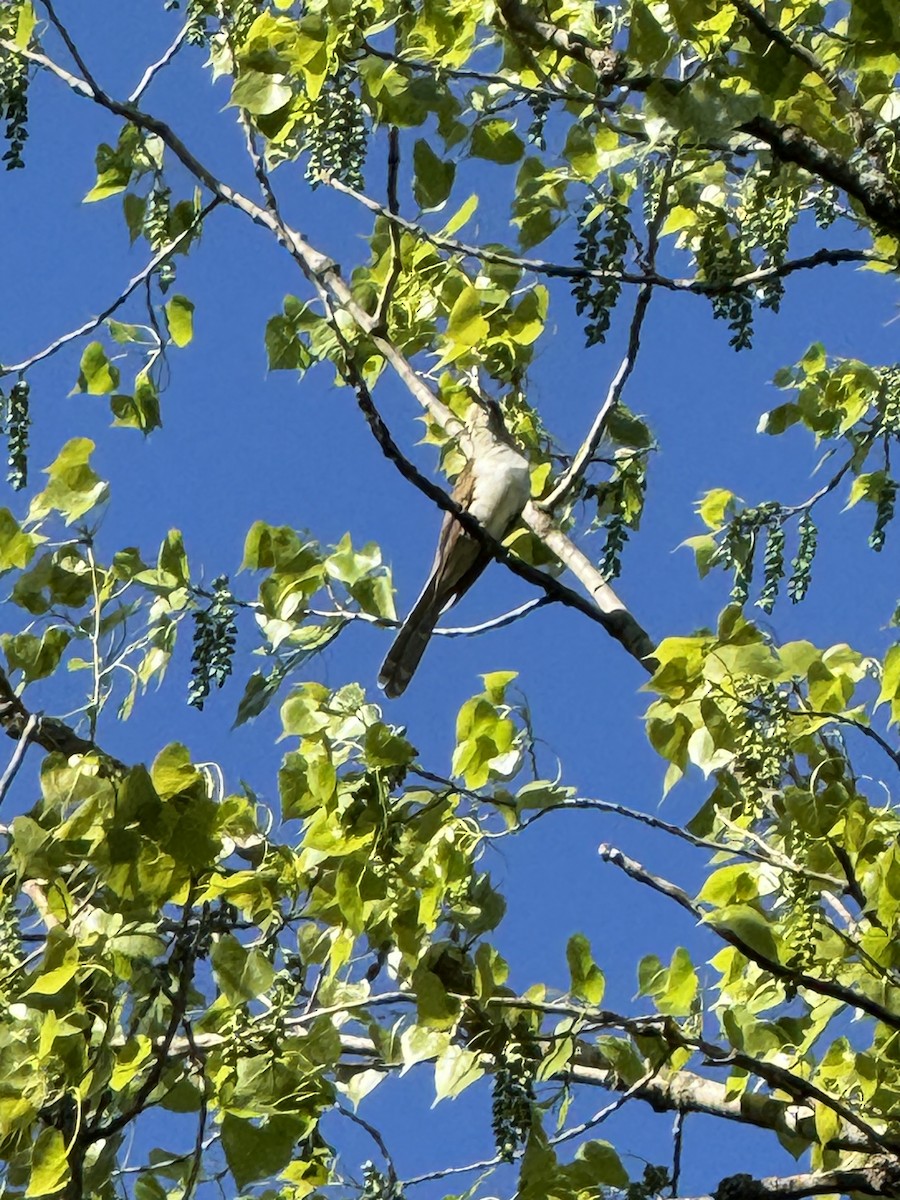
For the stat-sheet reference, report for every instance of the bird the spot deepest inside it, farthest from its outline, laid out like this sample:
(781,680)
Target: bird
(494,486)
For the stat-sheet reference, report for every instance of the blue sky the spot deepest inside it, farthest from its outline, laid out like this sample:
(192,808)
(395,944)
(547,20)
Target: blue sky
(239,445)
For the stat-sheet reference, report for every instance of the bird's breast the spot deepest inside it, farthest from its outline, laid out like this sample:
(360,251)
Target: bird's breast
(501,491)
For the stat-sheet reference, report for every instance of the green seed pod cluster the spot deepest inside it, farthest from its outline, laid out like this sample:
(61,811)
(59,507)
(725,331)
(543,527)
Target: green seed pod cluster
(602,242)
(773,565)
(337,136)
(13,93)
(10,932)
(771,205)
(512,1106)
(721,259)
(616,538)
(762,744)
(241,15)
(378,1186)
(739,547)
(884,513)
(540,107)
(17,420)
(801,564)
(156,230)
(889,401)
(825,206)
(215,636)
(802,908)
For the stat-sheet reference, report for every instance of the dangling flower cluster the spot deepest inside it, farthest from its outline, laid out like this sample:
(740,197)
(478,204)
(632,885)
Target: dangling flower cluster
(603,235)
(884,513)
(771,207)
(215,636)
(721,260)
(156,230)
(513,1102)
(17,418)
(540,107)
(337,133)
(801,564)
(378,1186)
(13,92)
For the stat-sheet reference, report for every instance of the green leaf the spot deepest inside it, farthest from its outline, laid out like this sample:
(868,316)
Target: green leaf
(258,1149)
(460,217)
(868,487)
(97,376)
(603,1166)
(587,978)
(16,547)
(419,1044)
(241,974)
(73,488)
(890,682)
(285,350)
(648,42)
(466,326)
(455,1070)
(749,925)
(433,180)
(25,24)
(259,93)
(49,1164)
(434,1007)
(173,773)
(716,508)
(497,141)
(134,154)
(129,1061)
(180,318)
(36,658)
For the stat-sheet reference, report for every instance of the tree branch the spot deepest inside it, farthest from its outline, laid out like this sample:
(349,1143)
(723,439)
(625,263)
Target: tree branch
(133,284)
(607,64)
(326,278)
(154,68)
(825,256)
(878,1179)
(823,987)
(52,735)
(552,587)
(579,464)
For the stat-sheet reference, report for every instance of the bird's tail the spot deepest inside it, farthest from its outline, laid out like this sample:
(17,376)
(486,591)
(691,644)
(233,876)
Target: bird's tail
(409,644)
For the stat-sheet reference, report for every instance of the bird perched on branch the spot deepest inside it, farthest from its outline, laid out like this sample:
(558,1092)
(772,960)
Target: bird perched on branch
(494,487)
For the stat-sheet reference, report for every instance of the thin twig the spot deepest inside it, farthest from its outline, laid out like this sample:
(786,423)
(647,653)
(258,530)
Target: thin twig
(259,166)
(579,464)
(154,68)
(550,586)
(798,979)
(70,46)
(18,755)
(678,831)
(199,1060)
(133,284)
(489,77)
(376,1137)
(538,266)
(586,451)
(859,726)
(396,267)
(599,1117)
(677,1147)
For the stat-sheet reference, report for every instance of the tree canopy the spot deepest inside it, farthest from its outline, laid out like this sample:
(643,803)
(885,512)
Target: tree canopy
(211,991)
